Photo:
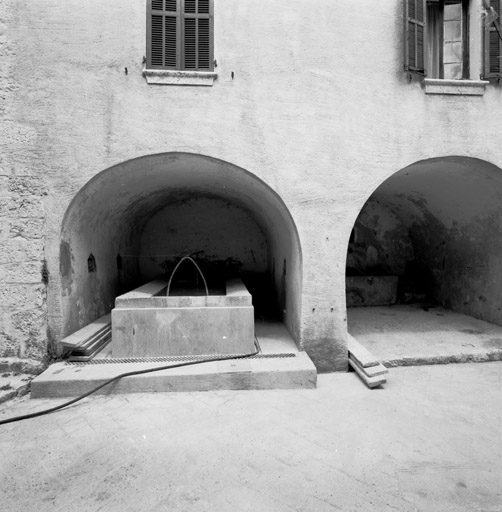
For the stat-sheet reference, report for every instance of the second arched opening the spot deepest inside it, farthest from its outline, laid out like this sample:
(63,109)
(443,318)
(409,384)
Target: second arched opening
(423,262)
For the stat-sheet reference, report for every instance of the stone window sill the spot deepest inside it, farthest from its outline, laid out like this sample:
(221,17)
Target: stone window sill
(460,87)
(172,77)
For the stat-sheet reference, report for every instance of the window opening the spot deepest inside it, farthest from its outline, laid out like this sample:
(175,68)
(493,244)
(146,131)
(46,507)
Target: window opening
(180,35)
(455,40)
(437,38)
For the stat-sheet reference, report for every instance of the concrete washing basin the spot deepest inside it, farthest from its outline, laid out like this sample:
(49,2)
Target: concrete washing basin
(146,324)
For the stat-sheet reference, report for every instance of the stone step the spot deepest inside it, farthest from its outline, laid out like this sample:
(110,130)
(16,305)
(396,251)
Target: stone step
(279,371)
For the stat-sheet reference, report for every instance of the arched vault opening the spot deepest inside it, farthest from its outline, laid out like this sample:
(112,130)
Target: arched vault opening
(135,220)
(431,235)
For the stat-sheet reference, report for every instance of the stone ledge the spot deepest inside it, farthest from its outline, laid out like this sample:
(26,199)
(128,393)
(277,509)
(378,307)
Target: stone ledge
(459,87)
(63,380)
(174,77)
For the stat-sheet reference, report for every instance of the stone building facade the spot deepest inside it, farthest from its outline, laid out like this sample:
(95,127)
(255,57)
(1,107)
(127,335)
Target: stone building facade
(306,152)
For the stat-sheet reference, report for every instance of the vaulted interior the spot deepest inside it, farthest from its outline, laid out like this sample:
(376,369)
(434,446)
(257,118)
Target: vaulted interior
(134,221)
(432,230)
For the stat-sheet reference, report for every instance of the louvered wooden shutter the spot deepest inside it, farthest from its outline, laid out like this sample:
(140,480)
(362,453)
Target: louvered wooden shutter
(163,44)
(493,47)
(414,36)
(197,35)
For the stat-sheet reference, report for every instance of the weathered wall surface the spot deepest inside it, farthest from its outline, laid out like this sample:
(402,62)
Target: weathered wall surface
(452,210)
(23,273)
(323,118)
(220,232)
(379,244)
(378,254)
(435,224)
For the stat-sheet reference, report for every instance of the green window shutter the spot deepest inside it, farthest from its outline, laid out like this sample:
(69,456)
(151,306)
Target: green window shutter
(414,36)
(198,35)
(493,46)
(163,34)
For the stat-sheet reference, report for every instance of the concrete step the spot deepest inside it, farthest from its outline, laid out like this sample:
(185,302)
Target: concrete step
(268,371)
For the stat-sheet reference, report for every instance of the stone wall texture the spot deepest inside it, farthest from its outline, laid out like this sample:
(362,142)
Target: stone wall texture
(311,99)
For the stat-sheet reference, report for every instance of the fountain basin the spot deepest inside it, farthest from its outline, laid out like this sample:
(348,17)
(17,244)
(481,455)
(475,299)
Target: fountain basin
(146,324)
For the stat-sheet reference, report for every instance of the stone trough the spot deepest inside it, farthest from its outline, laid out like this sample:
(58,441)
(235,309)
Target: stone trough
(147,323)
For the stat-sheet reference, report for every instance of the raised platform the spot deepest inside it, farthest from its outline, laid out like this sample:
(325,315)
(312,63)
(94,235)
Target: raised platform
(279,365)
(409,335)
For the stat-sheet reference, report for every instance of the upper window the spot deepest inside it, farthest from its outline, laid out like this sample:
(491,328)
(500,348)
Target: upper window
(447,39)
(180,35)
(437,38)
(438,43)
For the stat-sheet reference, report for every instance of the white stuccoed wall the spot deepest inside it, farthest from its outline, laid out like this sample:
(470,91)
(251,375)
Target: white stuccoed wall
(319,109)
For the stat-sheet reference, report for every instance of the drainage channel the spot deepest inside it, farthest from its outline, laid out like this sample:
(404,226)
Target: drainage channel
(169,359)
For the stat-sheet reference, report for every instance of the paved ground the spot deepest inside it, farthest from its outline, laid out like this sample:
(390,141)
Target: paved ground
(404,334)
(430,440)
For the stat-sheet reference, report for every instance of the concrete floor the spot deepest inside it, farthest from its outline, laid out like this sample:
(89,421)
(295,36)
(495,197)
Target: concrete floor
(409,334)
(430,440)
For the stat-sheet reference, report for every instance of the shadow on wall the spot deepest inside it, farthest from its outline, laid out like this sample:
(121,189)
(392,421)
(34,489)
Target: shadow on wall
(434,230)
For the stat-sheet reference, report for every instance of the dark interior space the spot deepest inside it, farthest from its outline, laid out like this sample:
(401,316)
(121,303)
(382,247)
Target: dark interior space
(431,235)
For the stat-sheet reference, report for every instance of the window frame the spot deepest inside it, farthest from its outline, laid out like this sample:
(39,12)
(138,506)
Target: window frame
(416,38)
(473,85)
(181,52)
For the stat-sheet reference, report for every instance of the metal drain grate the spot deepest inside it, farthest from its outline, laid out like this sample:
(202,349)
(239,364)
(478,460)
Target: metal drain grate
(174,359)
